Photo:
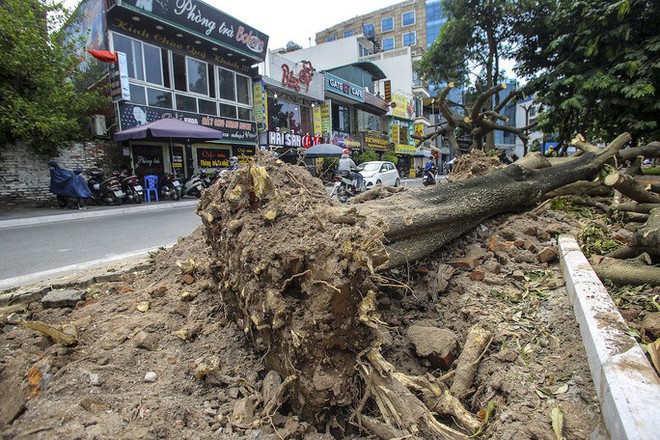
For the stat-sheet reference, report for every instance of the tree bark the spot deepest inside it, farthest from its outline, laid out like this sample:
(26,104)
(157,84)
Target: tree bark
(624,272)
(627,186)
(417,223)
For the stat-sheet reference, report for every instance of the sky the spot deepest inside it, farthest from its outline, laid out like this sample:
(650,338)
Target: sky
(295,20)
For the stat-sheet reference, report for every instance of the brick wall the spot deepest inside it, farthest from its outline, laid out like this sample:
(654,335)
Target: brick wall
(24,175)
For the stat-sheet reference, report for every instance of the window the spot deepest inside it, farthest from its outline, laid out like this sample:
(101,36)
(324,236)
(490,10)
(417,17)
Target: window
(341,120)
(226,85)
(364,51)
(179,68)
(153,71)
(197,77)
(388,44)
(243,89)
(288,117)
(137,94)
(349,33)
(133,50)
(244,113)
(227,111)
(368,30)
(159,98)
(367,121)
(207,107)
(186,103)
(331,38)
(409,39)
(408,18)
(387,24)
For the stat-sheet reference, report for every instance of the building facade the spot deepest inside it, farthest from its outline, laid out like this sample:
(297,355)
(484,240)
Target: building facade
(184,60)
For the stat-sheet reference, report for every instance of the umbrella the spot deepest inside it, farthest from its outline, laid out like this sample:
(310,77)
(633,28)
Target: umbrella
(169,129)
(324,150)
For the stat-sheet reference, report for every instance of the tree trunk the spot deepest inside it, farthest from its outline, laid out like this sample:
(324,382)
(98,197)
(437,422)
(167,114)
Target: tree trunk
(419,222)
(299,274)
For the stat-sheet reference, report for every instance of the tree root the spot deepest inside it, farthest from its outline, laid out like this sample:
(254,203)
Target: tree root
(478,339)
(403,414)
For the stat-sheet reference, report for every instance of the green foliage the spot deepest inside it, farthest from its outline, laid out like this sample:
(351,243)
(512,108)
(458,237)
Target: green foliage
(473,39)
(40,102)
(593,65)
(391,157)
(594,241)
(367,156)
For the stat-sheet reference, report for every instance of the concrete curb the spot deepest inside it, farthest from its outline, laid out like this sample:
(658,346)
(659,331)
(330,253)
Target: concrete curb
(26,221)
(626,384)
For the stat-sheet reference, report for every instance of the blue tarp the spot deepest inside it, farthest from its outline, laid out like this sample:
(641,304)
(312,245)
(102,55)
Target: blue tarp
(66,183)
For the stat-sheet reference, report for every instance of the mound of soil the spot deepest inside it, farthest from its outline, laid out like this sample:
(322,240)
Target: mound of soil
(161,351)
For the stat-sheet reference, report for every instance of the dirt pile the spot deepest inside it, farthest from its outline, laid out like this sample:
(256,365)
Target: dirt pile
(194,345)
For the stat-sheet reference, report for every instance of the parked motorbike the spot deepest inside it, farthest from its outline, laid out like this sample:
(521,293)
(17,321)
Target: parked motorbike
(69,187)
(192,187)
(430,177)
(346,187)
(207,177)
(131,187)
(171,187)
(104,190)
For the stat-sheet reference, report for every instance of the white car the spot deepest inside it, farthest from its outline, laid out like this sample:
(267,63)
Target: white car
(379,173)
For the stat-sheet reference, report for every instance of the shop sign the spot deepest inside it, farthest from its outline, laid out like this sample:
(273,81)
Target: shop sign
(404,149)
(201,18)
(346,142)
(260,107)
(341,87)
(404,108)
(212,157)
(321,119)
(131,115)
(388,90)
(148,32)
(122,65)
(293,79)
(245,150)
(375,141)
(279,139)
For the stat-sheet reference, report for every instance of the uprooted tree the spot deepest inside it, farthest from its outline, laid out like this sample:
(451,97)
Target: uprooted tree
(302,275)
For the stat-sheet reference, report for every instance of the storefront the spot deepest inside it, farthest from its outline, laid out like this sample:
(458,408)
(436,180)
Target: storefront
(189,61)
(344,97)
(402,127)
(287,96)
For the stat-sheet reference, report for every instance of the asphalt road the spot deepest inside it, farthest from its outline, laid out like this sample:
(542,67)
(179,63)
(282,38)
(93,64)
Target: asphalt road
(39,251)
(46,250)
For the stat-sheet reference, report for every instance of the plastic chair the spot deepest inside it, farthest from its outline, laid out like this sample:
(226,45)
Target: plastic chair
(150,184)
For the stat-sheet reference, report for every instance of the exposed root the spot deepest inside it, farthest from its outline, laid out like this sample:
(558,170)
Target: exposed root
(403,414)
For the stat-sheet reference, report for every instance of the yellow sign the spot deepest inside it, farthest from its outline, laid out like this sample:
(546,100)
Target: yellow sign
(404,149)
(404,107)
(318,123)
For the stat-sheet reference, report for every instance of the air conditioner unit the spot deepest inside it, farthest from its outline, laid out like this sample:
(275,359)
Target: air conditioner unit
(98,125)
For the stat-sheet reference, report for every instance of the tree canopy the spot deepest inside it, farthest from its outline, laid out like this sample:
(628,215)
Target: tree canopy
(40,102)
(594,65)
(473,40)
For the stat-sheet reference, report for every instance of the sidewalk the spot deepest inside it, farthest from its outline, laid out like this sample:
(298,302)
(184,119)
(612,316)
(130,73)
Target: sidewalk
(23,216)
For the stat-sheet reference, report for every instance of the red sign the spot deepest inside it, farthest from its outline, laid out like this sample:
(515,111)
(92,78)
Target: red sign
(290,80)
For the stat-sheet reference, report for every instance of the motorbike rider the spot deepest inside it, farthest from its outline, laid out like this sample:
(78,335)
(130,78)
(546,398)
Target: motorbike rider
(429,166)
(347,166)
(233,163)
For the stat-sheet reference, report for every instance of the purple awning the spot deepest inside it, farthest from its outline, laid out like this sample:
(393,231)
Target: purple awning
(167,129)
